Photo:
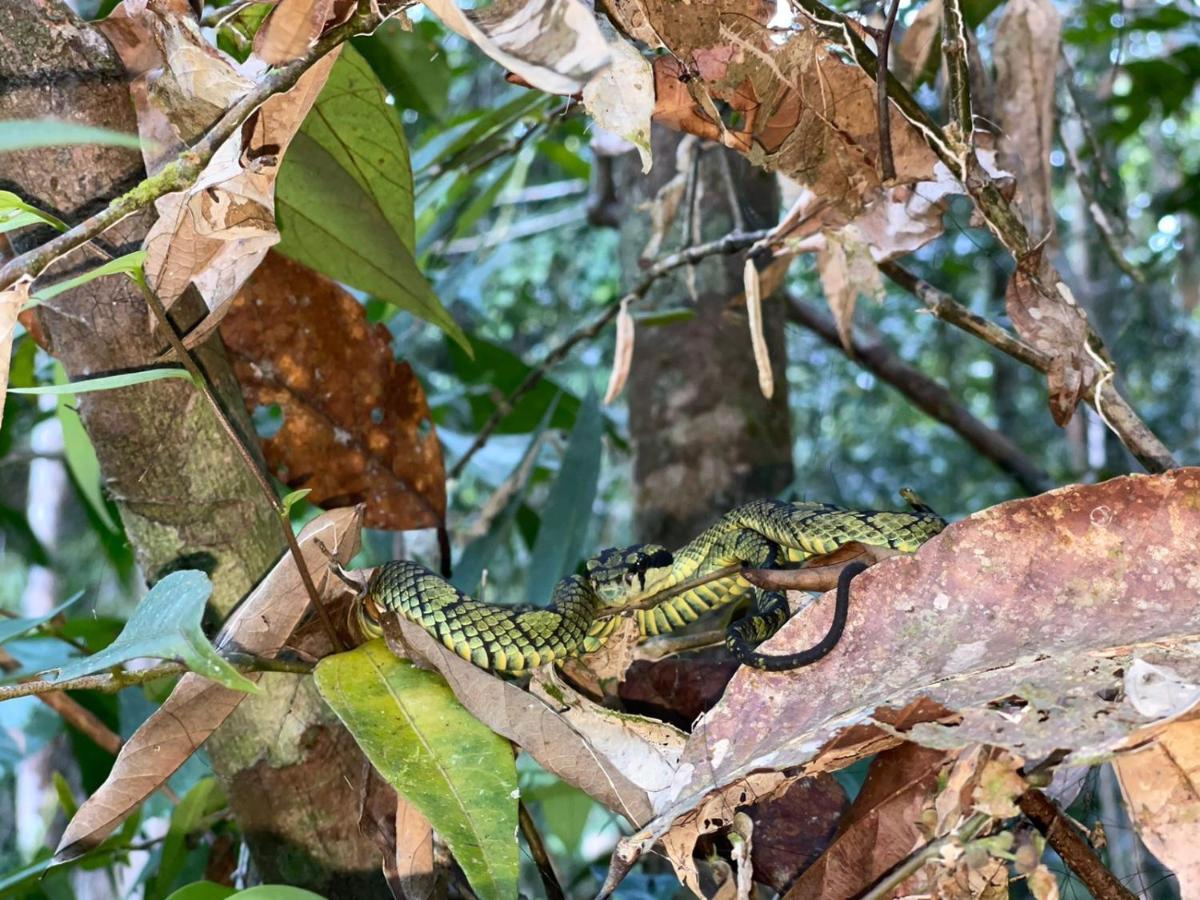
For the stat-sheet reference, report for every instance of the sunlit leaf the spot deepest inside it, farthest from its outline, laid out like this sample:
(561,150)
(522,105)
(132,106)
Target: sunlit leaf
(203,890)
(294,497)
(16,213)
(166,625)
(436,754)
(107,383)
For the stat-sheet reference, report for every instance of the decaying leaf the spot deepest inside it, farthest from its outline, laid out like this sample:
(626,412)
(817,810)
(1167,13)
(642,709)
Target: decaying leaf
(621,97)
(793,829)
(260,626)
(294,25)
(758,340)
(356,426)
(554,45)
(1044,312)
(847,270)
(1112,573)
(215,233)
(1161,784)
(1026,54)
(919,50)
(11,301)
(622,355)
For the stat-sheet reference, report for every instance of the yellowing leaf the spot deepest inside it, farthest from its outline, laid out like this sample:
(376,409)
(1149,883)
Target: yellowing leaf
(436,754)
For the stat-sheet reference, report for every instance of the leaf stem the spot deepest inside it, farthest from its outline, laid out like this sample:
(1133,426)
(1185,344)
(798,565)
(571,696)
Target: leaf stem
(887,163)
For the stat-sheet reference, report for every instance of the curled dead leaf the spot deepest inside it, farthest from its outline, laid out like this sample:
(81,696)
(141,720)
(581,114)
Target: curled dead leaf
(622,354)
(758,340)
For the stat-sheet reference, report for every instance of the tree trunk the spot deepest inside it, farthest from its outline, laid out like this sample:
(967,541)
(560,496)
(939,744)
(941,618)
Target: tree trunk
(705,439)
(185,498)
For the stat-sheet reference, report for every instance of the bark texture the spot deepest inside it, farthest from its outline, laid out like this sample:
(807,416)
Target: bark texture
(183,493)
(704,437)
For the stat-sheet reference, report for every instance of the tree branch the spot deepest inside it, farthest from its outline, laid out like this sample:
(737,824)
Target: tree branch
(187,166)
(954,49)
(927,395)
(1104,396)
(730,243)
(1068,844)
(887,162)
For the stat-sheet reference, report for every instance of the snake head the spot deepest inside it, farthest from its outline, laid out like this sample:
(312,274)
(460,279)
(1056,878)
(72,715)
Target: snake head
(619,574)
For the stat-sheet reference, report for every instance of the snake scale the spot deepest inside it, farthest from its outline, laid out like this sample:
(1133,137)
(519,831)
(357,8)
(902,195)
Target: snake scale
(580,618)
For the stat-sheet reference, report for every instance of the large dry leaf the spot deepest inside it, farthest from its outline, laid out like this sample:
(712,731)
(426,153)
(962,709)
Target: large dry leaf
(1045,313)
(261,626)
(847,271)
(1019,625)
(1161,784)
(294,25)
(554,45)
(919,49)
(11,301)
(621,97)
(792,830)
(215,233)
(356,425)
(1026,52)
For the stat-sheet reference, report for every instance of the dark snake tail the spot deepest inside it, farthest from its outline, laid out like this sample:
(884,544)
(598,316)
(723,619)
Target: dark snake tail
(771,611)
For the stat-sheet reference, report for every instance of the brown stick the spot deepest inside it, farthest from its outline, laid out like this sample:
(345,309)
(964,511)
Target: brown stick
(927,395)
(954,49)
(72,712)
(541,858)
(1070,845)
(887,163)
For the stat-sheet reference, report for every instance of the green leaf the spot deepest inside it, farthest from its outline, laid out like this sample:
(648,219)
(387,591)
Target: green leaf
(11,628)
(205,797)
(66,798)
(567,515)
(16,213)
(130,264)
(344,196)
(166,625)
(203,890)
(294,497)
(81,456)
(107,383)
(411,64)
(436,754)
(19,538)
(23,134)
(276,892)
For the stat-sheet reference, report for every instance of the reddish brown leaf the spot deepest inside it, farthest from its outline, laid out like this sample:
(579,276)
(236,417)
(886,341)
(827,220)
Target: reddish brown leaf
(356,426)
(294,25)
(1045,313)
(677,690)
(792,830)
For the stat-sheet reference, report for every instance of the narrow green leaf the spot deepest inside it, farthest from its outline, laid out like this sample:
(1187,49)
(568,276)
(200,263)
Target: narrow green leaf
(344,196)
(276,892)
(166,625)
(23,134)
(16,213)
(11,628)
(81,456)
(436,754)
(567,514)
(204,797)
(203,890)
(107,383)
(66,799)
(130,264)
(294,497)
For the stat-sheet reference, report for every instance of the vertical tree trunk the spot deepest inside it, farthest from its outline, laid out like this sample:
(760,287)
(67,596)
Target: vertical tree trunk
(185,498)
(704,437)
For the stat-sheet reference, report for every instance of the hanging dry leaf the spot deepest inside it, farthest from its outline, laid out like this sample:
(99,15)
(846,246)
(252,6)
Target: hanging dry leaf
(621,97)
(260,626)
(293,26)
(11,301)
(1046,314)
(847,271)
(554,45)
(356,425)
(919,50)
(758,340)
(1161,784)
(622,355)
(215,233)
(1026,54)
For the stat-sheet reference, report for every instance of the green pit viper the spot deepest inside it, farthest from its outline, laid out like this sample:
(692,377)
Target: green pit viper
(583,608)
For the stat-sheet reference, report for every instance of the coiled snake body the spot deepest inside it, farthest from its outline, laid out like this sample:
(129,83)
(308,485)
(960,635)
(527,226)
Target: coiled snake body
(761,534)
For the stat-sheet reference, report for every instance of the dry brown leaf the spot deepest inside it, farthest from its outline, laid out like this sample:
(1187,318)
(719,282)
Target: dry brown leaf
(622,354)
(793,829)
(554,45)
(260,626)
(1043,883)
(758,340)
(881,827)
(1026,53)
(921,45)
(535,726)
(293,26)
(11,300)
(1045,313)
(1112,571)
(848,270)
(356,425)
(415,867)
(1161,784)
(620,98)
(677,690)
(999,785)
(214,234)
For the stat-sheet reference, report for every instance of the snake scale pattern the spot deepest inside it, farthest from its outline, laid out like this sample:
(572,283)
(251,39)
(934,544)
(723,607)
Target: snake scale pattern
(761,534)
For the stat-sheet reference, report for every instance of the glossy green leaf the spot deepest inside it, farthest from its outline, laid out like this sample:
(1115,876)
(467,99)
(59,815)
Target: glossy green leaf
(16,213)
(411,65)
(436,754)
(344,197)
(130,264)
(276,892)
(203,890)
(294,497)
(567,514)
(166,625)
(204,798)
(66,797)
(107,383)
(11,628)
(24,134)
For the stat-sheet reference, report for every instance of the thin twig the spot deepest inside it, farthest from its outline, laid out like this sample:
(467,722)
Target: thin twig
(926,394)
(730,243)
(112,682)
(537,849)
(71,712)
(182,171)
(896,876)
(200,379)
(887,163)
(954,49)
(1080,858)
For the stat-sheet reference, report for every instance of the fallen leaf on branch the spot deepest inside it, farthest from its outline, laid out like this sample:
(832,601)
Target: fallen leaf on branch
(261,626)
(356,424)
